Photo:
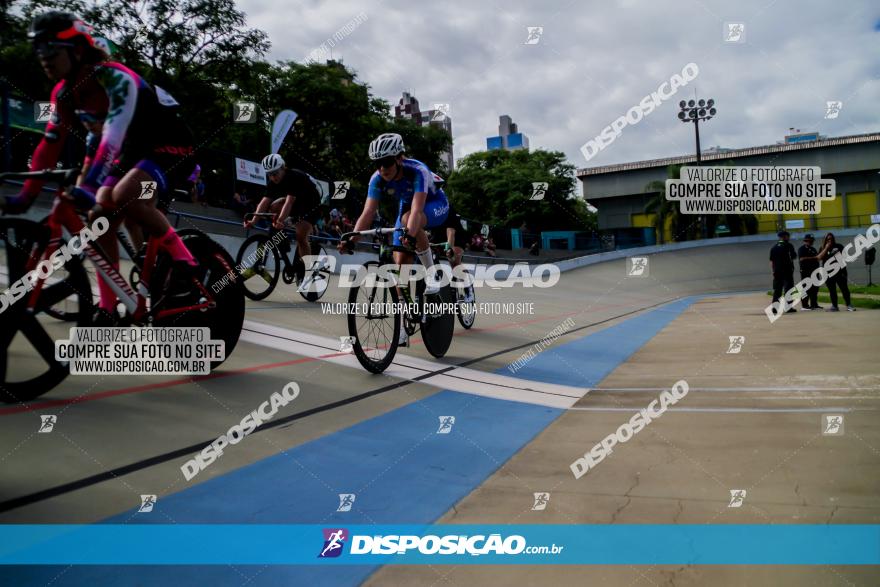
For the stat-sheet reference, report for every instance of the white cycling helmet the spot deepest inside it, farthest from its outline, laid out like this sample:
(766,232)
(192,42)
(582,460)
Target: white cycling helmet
(273,162)
(386,145)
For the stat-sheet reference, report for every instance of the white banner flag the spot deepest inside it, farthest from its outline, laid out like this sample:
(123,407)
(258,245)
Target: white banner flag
(283,121)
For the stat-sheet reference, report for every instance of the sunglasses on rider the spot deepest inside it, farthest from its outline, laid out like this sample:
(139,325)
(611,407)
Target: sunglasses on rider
(49,49)
(386,162)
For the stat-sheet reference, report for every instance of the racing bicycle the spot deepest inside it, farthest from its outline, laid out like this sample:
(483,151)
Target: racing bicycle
(263,258)
(379,306)
(214,298)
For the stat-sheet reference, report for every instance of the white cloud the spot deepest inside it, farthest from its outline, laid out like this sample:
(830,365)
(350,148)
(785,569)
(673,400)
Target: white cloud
(596,61)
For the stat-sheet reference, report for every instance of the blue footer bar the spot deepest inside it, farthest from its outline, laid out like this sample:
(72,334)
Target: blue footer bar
(209,544)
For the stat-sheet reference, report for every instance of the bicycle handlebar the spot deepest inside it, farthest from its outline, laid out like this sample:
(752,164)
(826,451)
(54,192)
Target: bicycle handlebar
(371,232)
(64,177)
(260,215)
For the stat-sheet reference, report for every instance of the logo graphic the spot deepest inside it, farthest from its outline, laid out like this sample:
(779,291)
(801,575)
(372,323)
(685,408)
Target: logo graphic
(736,344)
(47,423)
(147,503)
(334,540)
(534,35)
(43,111)
(832,424)
(441,112)
(833,108)
(541,501)
(148,190)
(737,496)
(446,423)
(346,500)
(340,189)
(637,266)
(244,112)
(734,32)
(539,189)
(346,344)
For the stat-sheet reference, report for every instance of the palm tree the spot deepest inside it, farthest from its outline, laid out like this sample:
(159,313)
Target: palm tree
(663,209)
(686,226)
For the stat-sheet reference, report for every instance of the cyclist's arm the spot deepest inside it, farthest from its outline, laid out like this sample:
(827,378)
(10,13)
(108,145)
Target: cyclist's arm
(122,93)
(261,208)
(285,210)
(49,150)
(371,206)
(365,220)
(422,184)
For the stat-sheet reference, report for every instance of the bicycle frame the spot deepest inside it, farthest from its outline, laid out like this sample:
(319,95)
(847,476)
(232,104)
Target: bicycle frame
(64,215)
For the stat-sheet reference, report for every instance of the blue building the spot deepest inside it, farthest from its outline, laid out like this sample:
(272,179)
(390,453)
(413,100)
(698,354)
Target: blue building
(508,137)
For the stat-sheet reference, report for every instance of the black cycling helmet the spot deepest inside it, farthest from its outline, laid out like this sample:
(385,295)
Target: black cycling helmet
(57,28)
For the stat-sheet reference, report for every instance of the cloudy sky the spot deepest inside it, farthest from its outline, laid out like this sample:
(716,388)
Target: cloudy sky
(595,60)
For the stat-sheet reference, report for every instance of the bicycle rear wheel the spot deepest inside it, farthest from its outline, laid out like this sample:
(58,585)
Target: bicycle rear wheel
(215,268)
(317,277)
(437,327)
(466,304)
(28,367)
(373,325)
(260,265)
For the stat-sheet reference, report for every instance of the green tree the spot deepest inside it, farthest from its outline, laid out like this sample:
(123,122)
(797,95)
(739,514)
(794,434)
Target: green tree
(495,187)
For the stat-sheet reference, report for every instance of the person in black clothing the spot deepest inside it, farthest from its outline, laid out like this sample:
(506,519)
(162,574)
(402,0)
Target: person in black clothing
(830,248)
(809,261)
(782,256)
(290,193)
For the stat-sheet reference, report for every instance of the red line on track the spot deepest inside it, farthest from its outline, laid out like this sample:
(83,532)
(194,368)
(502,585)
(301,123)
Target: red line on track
(141,388)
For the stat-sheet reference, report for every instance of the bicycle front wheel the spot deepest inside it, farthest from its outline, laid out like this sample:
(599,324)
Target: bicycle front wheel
(373,319)
(28,367)
(259,264)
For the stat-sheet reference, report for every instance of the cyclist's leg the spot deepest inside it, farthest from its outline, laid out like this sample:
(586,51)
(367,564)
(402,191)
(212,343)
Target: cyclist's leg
(303,230)
(275,208)
(135,232)
(107,241)
(126,194)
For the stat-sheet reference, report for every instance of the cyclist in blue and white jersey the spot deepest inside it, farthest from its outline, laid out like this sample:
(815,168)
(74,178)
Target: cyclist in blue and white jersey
(422,205)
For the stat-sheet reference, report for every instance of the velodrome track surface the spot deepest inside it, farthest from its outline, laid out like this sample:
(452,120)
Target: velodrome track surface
(751,420)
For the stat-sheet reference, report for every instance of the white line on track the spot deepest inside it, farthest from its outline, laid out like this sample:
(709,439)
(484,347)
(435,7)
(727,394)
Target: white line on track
(829,410)
(461,379)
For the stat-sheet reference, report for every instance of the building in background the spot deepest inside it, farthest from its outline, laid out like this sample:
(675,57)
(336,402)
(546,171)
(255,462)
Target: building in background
(508,138)
(620,191)
(408,107)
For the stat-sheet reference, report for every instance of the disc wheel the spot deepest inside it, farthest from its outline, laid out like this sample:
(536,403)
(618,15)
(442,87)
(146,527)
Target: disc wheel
(259,264)
(437,327)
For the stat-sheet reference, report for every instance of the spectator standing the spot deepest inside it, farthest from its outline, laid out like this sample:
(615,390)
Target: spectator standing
(782,256)
(830,248)
(199,192)
(808,259)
